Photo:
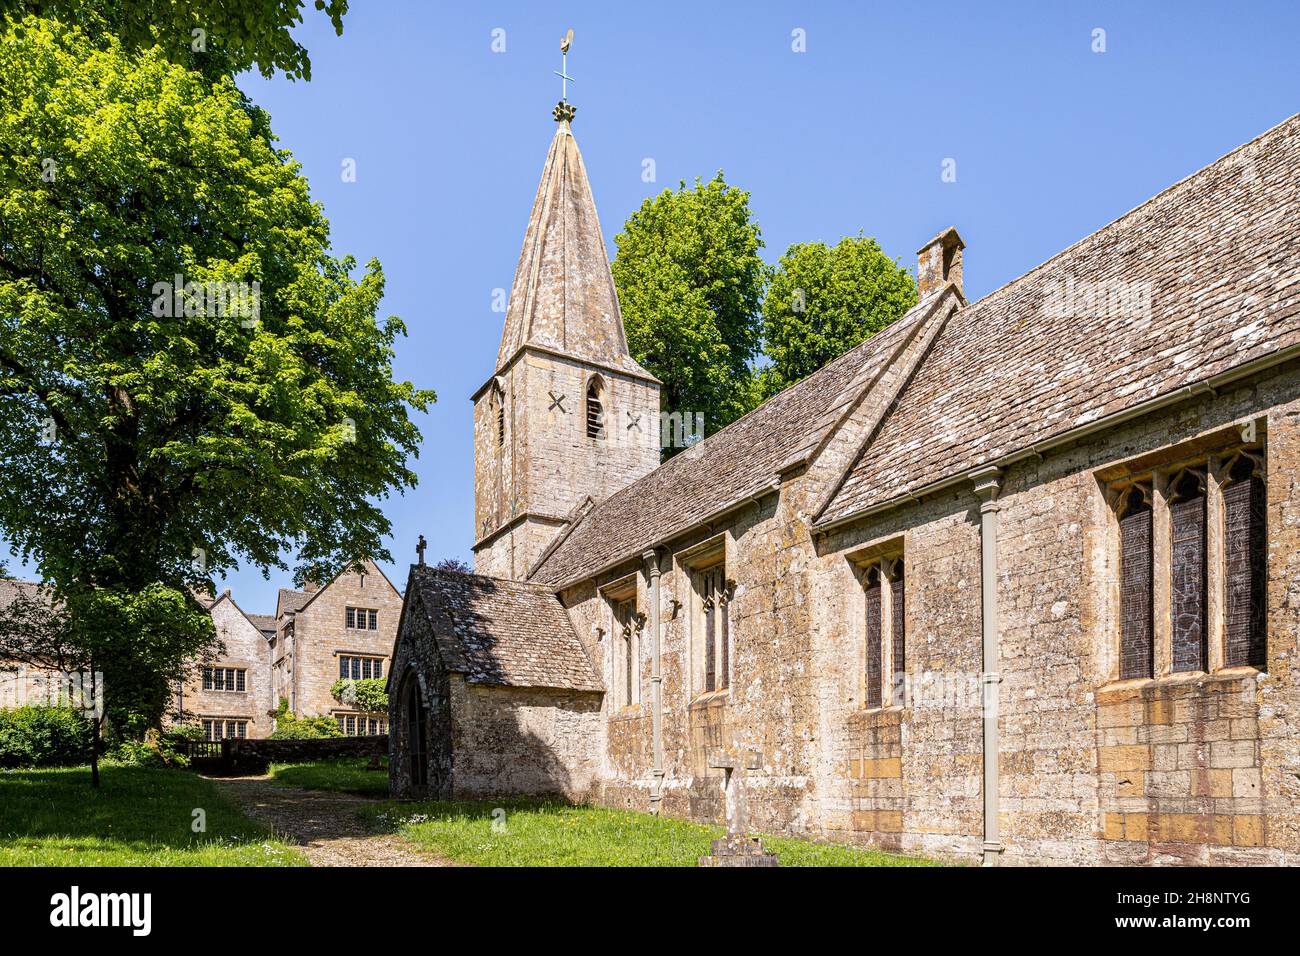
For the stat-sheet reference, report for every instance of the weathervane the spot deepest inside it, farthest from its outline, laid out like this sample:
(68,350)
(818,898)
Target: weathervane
(563,110)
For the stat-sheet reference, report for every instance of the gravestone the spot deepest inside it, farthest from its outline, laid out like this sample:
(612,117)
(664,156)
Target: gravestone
(737,848)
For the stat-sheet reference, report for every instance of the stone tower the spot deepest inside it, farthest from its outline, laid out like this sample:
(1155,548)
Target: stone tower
(568,414)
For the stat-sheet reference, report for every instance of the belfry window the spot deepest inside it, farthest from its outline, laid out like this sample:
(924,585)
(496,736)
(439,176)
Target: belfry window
(499,400)
(595,409)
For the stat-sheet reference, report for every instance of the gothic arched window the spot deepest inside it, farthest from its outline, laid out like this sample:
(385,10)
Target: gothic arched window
(595,410)
(1187,561)
(1245,562)
(1136,652)
(875,696)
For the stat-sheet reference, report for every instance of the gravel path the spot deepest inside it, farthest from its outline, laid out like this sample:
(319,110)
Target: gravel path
(325,825)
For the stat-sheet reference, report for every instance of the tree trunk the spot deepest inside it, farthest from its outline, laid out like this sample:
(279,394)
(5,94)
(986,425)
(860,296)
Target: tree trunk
(96,718)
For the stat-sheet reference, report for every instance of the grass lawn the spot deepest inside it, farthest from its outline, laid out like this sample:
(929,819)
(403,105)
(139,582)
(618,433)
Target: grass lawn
(551,833)
(138,817)
(345,776)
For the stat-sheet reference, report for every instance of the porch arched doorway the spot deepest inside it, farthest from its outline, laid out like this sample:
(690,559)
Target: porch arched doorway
(416,720)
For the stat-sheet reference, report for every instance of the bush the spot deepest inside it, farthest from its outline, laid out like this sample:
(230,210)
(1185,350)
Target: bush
(366,694)
(156,750)
(186,732)
(290,727)
(43,737)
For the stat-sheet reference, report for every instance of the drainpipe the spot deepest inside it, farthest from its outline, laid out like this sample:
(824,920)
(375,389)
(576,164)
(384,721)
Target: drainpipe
(987,485)
(651,559)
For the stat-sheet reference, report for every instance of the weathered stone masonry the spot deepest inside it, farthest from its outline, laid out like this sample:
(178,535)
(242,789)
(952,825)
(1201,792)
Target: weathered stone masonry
(975,448)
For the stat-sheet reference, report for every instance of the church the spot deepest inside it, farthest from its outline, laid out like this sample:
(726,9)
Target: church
(1014,581)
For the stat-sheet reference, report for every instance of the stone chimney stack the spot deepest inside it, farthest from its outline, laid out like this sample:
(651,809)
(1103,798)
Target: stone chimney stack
(938,262)
(310,586)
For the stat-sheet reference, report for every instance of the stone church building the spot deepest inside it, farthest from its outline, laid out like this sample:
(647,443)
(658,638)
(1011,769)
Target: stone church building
(1015,580)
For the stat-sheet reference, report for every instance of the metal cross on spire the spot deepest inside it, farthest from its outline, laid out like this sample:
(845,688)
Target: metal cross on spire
(563,71)
(564,111)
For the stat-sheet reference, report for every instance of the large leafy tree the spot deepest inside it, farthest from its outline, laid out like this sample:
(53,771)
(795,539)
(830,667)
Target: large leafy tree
(212,35)
(154,433)
(690,281)
(823,300)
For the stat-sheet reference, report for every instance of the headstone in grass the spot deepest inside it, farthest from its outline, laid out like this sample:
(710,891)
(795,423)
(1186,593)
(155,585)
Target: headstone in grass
(737,848)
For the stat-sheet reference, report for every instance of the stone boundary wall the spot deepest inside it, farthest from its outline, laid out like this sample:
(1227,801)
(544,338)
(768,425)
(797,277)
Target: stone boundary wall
(246,757)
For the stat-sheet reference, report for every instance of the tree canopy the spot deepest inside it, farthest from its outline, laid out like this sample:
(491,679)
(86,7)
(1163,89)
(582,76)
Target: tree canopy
(690,281)
(823,300)
(188,377)
(214,36)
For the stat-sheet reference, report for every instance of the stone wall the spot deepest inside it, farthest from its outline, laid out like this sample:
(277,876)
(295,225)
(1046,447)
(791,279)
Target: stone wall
(321,635)
(522,741)
(486,740)
(418,669)
(1182,768)
(909,777)
(244,648)
(255,756)
(547,464)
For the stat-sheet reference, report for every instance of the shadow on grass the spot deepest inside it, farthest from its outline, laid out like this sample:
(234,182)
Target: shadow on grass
(138,816)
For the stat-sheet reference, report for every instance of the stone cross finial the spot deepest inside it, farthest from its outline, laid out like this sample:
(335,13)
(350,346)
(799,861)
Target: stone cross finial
(419,549)
(737,848)
(732,765)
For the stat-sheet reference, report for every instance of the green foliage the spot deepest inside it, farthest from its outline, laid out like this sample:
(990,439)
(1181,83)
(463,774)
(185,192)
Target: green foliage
(244,437)
(690,281)
(367,694)
(551,833)
(189,732)
(142,640)
(43,737)
(290,727)
(140,816)
(155,750)
(232,37)
(824,300)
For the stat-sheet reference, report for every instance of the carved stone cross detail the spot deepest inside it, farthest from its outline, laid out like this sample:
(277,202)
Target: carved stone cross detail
(733,767)
(737,848)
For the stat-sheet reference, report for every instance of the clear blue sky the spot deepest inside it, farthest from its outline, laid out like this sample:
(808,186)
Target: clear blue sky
(1051,141)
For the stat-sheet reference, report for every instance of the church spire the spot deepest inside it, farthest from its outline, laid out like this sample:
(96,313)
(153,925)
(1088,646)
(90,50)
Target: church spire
(563,296)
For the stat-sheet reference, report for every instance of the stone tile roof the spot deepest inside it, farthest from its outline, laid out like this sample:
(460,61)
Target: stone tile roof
(1216,256)
(724,469)
(11,591)
(263,622)
(290,600)
(563,297)
(509,633)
